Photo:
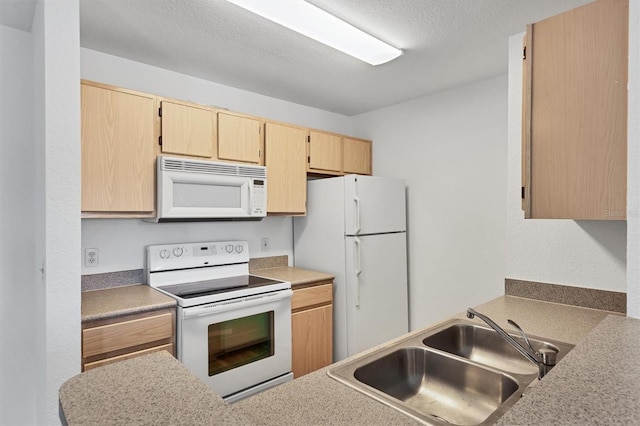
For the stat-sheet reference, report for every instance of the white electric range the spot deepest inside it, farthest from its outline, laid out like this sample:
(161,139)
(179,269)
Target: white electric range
(233,329)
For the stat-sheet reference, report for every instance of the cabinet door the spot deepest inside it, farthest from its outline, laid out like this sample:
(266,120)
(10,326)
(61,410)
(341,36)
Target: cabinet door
(356,156)
(118,150)
(239,138)
(126,333)
(325,152)
(187,129)
(285,149)
(113,339)
(91,365)
(575,114)
(312,339)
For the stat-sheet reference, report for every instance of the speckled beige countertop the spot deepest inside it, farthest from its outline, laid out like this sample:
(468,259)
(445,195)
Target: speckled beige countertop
(118,301)
(149,390)
(298,277)
(596,383)
(133,299)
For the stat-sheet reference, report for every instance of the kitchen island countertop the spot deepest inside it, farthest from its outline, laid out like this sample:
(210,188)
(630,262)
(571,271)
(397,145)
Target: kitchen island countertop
(598,382)
(316,399)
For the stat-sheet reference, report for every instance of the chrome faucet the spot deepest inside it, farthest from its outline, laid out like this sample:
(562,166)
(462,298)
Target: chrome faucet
(544,358)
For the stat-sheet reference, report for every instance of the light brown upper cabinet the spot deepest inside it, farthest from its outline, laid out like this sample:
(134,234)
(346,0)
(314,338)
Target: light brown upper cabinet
(356,156)
(187,129)
(575,114)
(239,138)
(325,152)
(118,137)
(286,152)
(123,131)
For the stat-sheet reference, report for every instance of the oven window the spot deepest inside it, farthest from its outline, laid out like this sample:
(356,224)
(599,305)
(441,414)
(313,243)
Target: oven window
(240,341)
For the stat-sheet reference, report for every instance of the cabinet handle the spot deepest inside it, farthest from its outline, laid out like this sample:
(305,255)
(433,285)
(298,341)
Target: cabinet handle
(242,303)
(356,199)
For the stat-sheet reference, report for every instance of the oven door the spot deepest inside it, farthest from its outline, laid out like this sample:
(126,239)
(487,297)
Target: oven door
(237,344)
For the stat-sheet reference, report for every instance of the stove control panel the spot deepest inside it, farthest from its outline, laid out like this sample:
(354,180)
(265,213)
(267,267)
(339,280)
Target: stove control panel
(193,255)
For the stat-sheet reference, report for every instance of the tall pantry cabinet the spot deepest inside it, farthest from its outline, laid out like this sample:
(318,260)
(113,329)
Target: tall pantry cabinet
(575,114)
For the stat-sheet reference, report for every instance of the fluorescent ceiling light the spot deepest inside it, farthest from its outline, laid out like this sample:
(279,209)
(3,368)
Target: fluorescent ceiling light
(319,25)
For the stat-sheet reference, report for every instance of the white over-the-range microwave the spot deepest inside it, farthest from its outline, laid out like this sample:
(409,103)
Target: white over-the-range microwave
(197,190)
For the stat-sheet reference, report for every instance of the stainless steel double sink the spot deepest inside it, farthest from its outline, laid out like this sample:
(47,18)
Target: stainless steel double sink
(457,373)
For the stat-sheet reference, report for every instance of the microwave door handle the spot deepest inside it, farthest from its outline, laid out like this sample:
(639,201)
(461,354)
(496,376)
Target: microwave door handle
(240,303)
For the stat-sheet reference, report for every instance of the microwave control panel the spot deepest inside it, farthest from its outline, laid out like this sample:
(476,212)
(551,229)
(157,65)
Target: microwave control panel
(259,197)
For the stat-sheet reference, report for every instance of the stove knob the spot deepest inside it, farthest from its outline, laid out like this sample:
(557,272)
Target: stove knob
(229,248)
(177,252)
(164,254)
(239,248)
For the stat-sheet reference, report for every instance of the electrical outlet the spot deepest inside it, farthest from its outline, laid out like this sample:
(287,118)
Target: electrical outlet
(90,257)
(265,243)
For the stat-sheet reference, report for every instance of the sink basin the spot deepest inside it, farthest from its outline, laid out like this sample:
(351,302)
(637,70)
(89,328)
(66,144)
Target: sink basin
(458,373)
(486,347)
(448,389)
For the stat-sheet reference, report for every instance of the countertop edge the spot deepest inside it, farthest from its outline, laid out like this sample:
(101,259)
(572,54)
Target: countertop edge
(129,311)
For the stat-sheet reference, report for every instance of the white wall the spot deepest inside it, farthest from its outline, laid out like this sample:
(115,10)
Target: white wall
(633,159)
(18,281)
(39,220)
(121,242)
(588,254)
(451,149)
(57,223)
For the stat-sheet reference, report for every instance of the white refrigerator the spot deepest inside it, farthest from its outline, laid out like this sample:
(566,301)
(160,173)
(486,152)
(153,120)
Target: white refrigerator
(355,229)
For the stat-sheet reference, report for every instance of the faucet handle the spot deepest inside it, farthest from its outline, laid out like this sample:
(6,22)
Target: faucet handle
(548,356)
(524,336)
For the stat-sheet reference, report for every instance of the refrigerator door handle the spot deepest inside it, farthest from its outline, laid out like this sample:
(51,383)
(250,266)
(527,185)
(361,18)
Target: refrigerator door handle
(356,199)
(358,271)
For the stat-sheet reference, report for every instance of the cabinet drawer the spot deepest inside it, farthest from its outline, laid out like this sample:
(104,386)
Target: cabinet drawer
(90,365)
(312,296)
(124,334)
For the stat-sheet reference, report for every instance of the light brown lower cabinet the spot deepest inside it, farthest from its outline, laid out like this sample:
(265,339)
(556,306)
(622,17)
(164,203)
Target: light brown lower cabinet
(312,328)
(117,339)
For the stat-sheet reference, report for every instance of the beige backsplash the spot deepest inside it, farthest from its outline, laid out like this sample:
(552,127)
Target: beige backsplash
(577,296)
(268,262)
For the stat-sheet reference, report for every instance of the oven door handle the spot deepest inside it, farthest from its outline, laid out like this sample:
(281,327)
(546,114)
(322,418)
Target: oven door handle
(244,302)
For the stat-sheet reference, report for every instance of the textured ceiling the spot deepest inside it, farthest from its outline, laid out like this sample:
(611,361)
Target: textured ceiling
(446,43)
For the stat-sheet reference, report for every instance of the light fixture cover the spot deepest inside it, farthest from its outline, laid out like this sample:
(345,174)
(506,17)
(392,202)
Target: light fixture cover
(315,23)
